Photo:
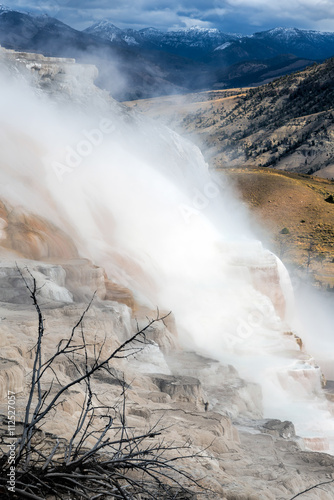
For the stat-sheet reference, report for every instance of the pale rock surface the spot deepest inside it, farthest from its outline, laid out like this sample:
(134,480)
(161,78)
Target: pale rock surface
(150,360)
(238,462)
(50,280)
(225,391)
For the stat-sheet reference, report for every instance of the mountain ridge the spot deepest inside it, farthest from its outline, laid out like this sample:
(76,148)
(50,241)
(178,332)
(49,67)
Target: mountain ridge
(194,42)
(308,43)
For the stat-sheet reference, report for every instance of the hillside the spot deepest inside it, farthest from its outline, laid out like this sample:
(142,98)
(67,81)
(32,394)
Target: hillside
(297,220)
(287,124)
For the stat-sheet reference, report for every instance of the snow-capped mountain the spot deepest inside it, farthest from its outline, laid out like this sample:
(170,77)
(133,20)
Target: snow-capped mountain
(192,37)
(294,37)
(202,43)
(307,44)
(292,34)
(4,8)
(193,42)
(108,31)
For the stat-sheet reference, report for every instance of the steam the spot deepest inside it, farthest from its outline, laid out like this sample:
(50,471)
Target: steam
(139,201)
(315,310)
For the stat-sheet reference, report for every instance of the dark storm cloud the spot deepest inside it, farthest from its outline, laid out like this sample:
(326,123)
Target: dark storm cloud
(244,16)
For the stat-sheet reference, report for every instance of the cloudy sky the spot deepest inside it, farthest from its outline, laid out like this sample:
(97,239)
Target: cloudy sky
(242,16)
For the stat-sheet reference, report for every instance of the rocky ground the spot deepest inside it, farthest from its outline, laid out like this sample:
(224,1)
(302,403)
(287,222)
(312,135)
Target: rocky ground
(252,458)
(200,401)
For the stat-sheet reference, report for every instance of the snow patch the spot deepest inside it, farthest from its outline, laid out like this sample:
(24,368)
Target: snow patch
(224,46)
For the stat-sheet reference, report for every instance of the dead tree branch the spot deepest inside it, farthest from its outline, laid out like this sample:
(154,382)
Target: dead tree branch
(94,462)
(312,488)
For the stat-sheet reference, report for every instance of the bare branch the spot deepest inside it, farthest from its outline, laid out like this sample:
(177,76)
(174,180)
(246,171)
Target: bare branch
(312,488)
(93,460)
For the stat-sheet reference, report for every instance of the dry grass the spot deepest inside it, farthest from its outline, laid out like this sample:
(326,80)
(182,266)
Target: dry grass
(281,200)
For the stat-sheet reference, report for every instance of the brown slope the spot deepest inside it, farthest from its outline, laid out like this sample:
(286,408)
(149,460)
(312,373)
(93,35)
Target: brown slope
(280,200)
